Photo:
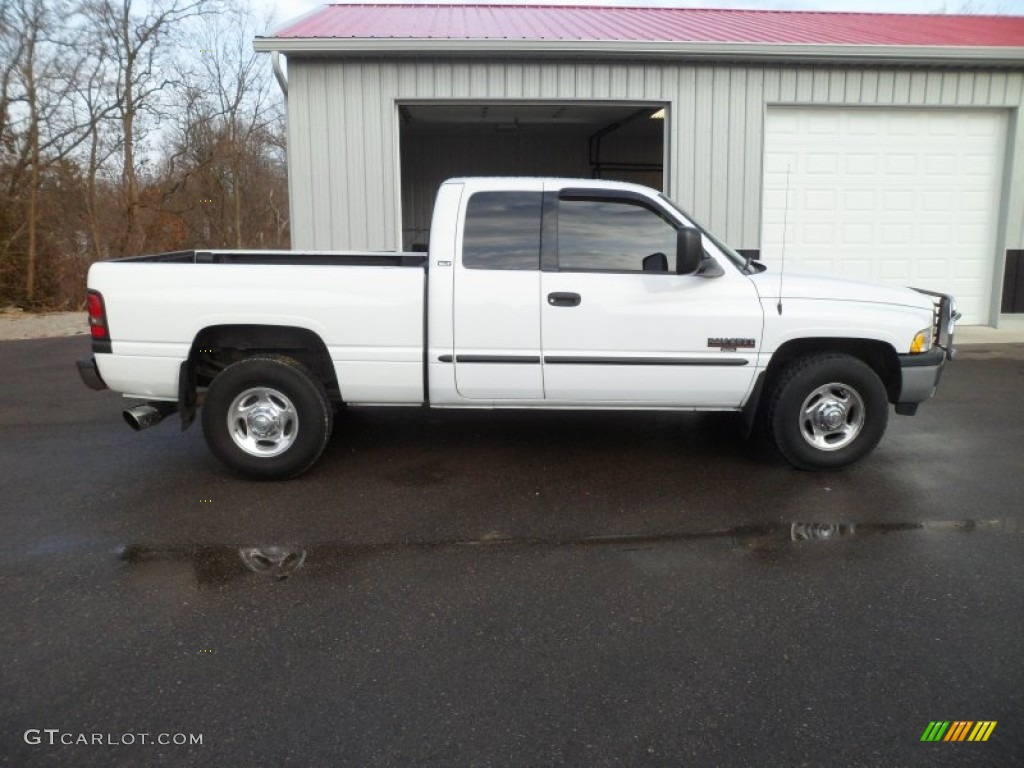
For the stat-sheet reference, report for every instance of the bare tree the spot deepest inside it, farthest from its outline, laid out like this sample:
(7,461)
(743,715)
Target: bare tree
(230,100)
(139,33)
(38,85)
(102,108)
(11,52)
(97,98)
(226,172)
(11,225)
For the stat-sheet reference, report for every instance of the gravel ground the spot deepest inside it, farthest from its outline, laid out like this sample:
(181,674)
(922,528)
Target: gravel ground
(24,325)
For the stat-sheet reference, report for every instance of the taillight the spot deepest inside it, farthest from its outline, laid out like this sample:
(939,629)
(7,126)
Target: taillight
(97,316)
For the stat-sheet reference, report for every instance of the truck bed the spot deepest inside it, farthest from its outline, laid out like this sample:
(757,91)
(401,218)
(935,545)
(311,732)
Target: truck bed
(367,308)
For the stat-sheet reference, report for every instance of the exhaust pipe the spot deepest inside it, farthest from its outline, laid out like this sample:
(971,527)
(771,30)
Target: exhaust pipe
(146,415)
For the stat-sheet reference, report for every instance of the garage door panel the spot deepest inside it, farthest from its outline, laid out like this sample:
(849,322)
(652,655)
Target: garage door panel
(821,163)
(825,123)
(864,123)
(861,164)
(901,195)
(933,269)
(941,165)
(895,269)
(899,199)
(820,200)
(977,165)
(858,269)
(857,200)
(944,127)
(858,235)
(981,125)
(974,201)
(934,234)
(900,165)
(940,200)
(901,125)
(818,234)
(898,234)
(779,162)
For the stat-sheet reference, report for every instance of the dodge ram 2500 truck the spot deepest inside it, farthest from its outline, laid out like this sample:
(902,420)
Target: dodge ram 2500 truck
(535,293)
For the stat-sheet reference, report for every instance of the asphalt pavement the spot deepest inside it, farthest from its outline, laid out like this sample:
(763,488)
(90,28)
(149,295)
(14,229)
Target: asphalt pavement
(508,589)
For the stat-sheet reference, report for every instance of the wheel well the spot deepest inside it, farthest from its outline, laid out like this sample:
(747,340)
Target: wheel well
(878,355)
(217,347)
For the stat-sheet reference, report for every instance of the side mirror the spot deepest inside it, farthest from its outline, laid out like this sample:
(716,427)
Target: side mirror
(689,251)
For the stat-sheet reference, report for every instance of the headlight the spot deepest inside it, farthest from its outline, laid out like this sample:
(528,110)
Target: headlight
(922,341)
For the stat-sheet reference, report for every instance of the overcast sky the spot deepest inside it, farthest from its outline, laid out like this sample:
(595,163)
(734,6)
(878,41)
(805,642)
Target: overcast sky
(286,10)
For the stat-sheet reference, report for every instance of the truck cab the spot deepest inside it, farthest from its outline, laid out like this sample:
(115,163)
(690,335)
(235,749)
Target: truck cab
(564,294)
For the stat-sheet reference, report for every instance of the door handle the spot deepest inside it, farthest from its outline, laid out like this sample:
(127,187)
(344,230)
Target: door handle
(564,299)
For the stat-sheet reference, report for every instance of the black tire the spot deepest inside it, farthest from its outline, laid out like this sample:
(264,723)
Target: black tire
(284,400)
(826,411)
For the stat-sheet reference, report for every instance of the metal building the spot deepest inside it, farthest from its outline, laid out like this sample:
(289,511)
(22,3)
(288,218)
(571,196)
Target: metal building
(888,147)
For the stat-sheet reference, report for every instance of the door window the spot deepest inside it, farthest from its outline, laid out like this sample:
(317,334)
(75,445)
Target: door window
(613,236)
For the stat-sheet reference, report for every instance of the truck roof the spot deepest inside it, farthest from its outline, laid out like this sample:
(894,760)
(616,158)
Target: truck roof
(562,180)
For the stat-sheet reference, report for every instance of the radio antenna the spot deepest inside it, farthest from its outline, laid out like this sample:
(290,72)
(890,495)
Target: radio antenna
(785,223)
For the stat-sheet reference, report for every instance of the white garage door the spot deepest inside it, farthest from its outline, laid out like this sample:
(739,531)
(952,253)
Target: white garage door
(903,196)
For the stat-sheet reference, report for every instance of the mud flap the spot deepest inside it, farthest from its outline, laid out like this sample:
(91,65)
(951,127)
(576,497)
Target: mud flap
(187,393)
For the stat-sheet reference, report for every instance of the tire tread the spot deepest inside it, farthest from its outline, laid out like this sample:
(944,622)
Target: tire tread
(326,414)
(791,372)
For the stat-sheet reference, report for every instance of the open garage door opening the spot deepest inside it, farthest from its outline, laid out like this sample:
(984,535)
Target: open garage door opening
(624,142)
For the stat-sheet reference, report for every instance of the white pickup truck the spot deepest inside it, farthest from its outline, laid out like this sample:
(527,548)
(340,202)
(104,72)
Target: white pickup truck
(535,293)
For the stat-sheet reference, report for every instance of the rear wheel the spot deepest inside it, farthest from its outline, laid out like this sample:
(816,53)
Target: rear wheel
(827,411)
(268,417)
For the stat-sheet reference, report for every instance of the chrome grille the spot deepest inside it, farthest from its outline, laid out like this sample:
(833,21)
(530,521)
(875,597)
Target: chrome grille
(943,316)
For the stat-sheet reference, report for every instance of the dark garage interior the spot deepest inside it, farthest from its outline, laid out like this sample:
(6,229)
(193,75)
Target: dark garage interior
(624,142)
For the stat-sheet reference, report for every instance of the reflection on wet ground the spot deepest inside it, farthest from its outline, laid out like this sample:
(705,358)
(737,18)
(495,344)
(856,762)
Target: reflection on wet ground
(219,563)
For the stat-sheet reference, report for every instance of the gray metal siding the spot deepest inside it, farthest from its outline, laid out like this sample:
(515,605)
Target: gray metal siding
(344,178)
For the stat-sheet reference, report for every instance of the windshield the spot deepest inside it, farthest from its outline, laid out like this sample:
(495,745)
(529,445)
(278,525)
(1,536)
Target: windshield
(729,253)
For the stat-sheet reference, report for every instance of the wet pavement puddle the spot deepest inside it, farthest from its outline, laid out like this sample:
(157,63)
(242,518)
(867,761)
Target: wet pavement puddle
(220,563)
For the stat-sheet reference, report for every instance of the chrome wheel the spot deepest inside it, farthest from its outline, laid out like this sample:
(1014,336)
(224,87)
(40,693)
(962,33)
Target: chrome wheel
(253,413)
(263,422)
(831,417)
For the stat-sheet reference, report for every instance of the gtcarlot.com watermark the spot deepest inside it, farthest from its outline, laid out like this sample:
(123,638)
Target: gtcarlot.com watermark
(55,736)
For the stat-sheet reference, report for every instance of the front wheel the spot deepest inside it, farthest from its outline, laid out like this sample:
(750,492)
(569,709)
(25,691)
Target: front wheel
(268,417)
(827,411)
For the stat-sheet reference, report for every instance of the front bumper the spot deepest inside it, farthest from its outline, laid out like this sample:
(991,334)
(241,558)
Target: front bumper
(90,373)
(921,374)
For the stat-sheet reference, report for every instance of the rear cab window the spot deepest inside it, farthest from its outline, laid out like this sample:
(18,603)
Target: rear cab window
(502,231)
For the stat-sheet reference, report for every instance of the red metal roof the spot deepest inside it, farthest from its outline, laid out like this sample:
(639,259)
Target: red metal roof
(589,23)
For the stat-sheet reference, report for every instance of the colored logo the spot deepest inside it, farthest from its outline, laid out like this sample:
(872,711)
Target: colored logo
(958,730)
